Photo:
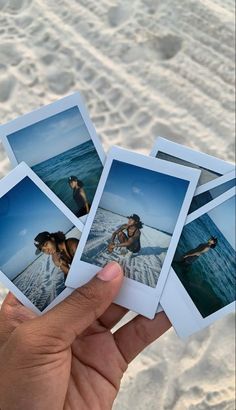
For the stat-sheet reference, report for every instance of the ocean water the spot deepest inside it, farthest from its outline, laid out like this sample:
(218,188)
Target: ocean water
(210,279)
(81,161)
(144,267)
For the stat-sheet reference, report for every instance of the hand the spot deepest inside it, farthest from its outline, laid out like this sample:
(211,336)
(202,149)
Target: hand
(111,247)
(56,257)
(68,359)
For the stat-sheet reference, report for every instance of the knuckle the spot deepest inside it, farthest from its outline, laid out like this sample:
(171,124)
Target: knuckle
(31,338)
(89,295)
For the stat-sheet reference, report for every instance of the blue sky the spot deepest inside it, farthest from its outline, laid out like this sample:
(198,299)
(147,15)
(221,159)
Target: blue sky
(155,197)
(223,216)
(49,137)
(24,212)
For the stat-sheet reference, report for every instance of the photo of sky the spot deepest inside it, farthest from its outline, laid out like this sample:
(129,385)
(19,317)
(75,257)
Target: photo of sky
(224,218)
(50,137)
(157,198)
(24,212)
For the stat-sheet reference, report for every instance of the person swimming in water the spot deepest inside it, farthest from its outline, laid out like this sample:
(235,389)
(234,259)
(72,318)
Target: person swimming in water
(79,196)
(192,255)
(129,240)
(61,249)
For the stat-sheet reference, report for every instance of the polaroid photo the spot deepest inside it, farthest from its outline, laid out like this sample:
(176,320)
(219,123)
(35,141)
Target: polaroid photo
(212,189)
(59,143)
(201,284)
(39,237)
(136,219)
(211,167)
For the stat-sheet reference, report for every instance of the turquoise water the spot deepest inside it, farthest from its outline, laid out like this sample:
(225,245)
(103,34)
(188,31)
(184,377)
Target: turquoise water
(81,161)
(210,279)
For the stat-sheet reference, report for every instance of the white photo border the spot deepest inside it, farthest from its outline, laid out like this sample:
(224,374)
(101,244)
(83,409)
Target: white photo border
(201,159)
(215,182)
(176,301)
(135,295)
(43,113)
(6,184)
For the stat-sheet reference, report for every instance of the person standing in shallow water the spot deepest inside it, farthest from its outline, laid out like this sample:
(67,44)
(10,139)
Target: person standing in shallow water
(194,254)
(79,196)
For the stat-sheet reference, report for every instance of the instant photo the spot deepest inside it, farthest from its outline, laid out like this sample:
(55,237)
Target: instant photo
(203,268)
(210,167)
(60,145)
(38,241)
(136,219)
(212,190)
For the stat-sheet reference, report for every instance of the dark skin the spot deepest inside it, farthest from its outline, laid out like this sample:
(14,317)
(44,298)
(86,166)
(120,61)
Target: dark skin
(204,250)
(59,253)
(132,226)
(75,185)
(68,359)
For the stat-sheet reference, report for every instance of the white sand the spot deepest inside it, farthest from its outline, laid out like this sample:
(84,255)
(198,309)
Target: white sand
(145,67)
(144,266)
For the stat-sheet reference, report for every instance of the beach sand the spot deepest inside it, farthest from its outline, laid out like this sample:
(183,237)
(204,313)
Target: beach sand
(146,68)
(145,266)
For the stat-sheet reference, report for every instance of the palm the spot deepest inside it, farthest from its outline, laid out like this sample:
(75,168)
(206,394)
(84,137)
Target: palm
(96,362)
(86,374)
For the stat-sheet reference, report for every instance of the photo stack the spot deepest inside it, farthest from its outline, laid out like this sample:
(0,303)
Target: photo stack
(67,209)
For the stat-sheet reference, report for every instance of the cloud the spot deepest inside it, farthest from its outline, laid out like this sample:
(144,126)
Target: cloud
(137,190)
(23,232)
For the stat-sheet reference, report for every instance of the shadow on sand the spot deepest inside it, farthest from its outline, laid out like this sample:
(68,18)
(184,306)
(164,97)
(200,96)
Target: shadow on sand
(152,250)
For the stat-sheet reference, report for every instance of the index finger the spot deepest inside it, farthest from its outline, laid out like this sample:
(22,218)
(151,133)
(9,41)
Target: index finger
(137,334)
(11,300)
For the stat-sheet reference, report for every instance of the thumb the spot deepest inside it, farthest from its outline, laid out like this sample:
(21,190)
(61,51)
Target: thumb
(78,311)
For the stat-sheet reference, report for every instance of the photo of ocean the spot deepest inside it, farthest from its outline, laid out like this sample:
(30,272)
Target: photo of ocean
(56,148)
(210,278)
(81,161)
(144,267)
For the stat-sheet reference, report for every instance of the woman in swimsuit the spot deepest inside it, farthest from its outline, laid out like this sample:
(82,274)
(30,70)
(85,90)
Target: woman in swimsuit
(61,249)
(79,196)
(194,254)
(131,240)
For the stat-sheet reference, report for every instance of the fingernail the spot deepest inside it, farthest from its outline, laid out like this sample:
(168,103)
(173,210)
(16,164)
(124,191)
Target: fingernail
(110,272)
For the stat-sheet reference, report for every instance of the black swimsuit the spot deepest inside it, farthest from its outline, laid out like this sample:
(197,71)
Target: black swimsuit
(81,203)
(135,246)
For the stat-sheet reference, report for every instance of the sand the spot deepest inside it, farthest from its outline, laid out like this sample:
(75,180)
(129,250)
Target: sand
(145,67)
(144,266)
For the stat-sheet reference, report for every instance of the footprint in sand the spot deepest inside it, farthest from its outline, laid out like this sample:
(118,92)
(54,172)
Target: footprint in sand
(118,15)
(168,46)
(161,129)
(60,82)
(9,53)
(15,6)
(160,48)
(7,85)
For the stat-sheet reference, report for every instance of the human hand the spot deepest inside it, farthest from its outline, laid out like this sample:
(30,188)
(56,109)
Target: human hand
(56,257)
(111,247)
(68,359)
